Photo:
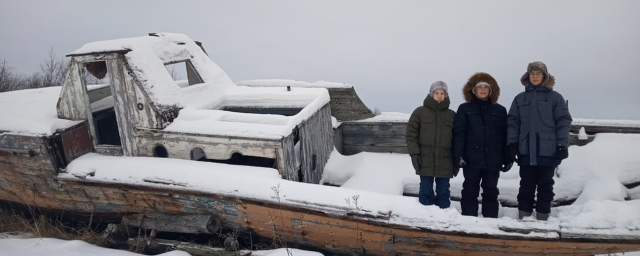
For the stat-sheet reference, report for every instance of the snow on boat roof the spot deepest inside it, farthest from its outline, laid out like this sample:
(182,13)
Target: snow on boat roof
(220,122)
(606,122)
(292,83)
(386,117)
(32,112)
(592,217)
(404,117)
(147,57)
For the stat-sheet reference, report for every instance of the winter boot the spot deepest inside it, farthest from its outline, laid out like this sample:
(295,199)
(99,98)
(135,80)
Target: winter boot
(542,216)
(522,214)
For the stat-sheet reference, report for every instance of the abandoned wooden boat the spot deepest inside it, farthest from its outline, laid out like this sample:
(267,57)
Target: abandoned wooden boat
(234,157)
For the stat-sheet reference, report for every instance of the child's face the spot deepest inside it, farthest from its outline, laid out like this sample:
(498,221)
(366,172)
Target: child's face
(482,91)
(536,77)
(439,95)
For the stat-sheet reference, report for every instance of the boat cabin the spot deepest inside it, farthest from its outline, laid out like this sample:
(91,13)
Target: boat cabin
(142,111)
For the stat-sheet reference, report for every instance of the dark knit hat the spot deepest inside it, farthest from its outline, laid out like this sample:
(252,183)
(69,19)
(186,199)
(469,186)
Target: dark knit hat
(439,85)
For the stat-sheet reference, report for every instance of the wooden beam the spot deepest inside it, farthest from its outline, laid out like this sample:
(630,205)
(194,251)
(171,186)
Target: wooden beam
(156,246)
(190,224)
(593,129)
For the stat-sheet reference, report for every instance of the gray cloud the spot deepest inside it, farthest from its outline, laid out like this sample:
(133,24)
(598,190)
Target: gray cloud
(389,50)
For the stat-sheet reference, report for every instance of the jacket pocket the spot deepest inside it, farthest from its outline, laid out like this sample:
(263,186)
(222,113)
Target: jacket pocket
(523,109)
(446,136)
(427,155)
(473,120)
(545,114)
(427,135)
(547,144)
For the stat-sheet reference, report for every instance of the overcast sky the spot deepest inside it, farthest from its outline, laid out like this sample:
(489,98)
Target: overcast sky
(390,51)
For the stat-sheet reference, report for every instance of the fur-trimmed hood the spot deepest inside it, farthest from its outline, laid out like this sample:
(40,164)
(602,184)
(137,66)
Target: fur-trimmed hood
(481,77)
(548,82)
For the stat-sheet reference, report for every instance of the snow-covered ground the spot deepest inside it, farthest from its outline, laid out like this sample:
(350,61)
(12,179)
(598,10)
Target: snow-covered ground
(596,171)
(22,245)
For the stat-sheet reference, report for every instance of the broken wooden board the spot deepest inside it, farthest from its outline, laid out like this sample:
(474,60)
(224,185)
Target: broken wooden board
(182,223)
(156,246)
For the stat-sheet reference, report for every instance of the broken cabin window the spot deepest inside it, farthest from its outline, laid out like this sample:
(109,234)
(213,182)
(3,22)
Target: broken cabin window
(183,73)
(96,79)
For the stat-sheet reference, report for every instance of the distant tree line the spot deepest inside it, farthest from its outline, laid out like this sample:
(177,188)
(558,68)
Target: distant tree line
(52,72)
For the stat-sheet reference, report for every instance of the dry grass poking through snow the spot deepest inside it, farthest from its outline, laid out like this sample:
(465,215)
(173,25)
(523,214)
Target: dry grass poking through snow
(46,227)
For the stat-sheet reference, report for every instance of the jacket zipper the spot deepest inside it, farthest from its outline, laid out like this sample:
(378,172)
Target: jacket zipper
(435,143)
(532,154)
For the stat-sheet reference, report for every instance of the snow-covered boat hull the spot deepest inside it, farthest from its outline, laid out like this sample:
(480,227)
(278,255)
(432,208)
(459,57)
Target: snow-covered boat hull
(29,176)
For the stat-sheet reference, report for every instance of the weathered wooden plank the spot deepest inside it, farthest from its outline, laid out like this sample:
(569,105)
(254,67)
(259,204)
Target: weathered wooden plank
(26,161)
(157,246)
(70,104)
(73,103)
(123,105)
(387,129)
(574,140)
(593,234)
(378,141)
(29,152)
(594,129)
(190,224)
(109,150)
(353,149)
(93,57)
(337,139)
(287,163)
(19,141)
(400,128)
(346,105)
(373,137)
(17,173)
(341,234)
(180,145)
(77,142)
(99,93)
(289,111)
(316,141)
(118,233)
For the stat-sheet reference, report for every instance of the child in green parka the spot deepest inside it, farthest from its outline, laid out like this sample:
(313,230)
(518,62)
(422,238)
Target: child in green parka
(429,138)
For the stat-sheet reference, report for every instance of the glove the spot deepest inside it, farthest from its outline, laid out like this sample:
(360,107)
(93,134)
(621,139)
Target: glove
(507,167)
(416,161)
(513,153)
(460,163)
(562,153)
